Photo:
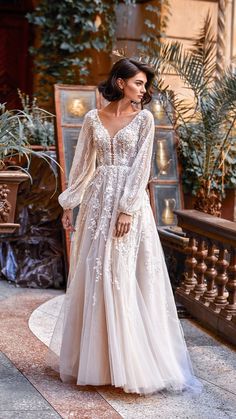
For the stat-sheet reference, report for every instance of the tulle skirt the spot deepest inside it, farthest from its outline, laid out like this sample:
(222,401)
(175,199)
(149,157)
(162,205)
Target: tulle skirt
(118,324)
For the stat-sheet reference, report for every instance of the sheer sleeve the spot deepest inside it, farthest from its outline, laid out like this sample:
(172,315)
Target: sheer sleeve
(82,167)
(137,179)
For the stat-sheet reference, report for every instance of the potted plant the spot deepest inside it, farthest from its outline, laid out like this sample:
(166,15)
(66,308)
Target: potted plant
(15,129)
(205,121)
(39,124)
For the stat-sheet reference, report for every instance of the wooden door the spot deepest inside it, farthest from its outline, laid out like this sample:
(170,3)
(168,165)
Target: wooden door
(15,61)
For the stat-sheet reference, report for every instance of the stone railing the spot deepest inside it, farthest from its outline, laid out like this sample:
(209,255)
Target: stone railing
(208,290)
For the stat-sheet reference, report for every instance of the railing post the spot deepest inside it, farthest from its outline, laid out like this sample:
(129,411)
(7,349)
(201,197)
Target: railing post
(221,280)
(230,308)
(210,275)
(200,270)
(190,264)
(216,306)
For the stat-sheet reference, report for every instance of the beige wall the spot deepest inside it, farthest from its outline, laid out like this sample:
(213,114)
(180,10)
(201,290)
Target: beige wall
(187,17)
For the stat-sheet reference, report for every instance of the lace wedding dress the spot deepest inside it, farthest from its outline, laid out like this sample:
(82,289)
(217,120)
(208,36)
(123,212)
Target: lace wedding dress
(119,323)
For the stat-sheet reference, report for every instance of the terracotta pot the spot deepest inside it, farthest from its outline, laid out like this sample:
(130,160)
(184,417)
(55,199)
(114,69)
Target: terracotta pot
(9,183)
(189,201)
(228,204)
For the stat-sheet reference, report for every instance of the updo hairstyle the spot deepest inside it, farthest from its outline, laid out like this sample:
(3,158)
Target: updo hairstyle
(125,69)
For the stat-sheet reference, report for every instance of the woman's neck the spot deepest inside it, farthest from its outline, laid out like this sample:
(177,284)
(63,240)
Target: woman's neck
(121,107)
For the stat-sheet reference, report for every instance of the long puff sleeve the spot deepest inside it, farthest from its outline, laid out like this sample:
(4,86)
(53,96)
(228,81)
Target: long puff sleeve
(82,168)
(137,179)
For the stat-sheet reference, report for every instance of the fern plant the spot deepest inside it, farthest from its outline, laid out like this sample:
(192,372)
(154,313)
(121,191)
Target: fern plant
(206,124)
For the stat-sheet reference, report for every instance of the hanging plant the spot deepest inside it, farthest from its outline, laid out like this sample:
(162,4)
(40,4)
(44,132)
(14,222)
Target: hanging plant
(156,23)
(68,31)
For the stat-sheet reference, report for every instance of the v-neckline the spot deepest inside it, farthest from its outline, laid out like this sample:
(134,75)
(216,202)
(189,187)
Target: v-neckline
(121,129)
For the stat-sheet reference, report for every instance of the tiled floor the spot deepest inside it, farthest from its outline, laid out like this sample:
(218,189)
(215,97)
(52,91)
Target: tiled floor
(214,363)
(18,398)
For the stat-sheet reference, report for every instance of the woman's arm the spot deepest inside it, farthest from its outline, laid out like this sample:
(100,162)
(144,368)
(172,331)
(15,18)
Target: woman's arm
(134,190)
(82,167)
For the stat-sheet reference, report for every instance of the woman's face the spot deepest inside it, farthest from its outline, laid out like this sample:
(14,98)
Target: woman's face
(134,87)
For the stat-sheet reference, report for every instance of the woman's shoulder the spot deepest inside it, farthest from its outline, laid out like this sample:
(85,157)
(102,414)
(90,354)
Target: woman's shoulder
(147,115)
(90,114)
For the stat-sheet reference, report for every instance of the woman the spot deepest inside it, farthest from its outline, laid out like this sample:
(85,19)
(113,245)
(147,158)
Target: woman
(120,321)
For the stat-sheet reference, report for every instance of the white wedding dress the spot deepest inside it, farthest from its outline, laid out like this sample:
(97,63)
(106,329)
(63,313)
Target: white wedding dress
(119,323)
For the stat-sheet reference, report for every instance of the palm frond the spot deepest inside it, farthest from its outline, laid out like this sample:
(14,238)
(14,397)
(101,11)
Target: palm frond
(195,66)
(187,66)
(204,48)
(206,126)
(224,94)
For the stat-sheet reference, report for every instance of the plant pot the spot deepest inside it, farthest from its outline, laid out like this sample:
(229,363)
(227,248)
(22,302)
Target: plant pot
(9,183)
(189,200)
(228,204)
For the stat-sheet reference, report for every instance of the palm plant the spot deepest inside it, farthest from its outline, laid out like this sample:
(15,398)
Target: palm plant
(206,125)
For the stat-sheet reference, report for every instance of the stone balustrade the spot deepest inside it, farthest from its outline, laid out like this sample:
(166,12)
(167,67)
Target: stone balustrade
(208,290)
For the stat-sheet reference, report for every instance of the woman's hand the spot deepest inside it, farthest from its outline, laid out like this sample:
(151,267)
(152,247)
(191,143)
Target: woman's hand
(67,220)
(123,224)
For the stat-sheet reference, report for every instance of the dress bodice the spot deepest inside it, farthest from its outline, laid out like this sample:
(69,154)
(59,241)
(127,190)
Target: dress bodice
(126,156)
(121,149)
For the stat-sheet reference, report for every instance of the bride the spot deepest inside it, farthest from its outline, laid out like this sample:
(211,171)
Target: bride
(119,324)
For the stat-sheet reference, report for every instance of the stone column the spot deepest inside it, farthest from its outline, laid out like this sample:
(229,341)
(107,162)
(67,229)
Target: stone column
(229,26)
(220,53)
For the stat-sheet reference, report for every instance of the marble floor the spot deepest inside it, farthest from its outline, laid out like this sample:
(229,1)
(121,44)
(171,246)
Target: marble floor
(29,389)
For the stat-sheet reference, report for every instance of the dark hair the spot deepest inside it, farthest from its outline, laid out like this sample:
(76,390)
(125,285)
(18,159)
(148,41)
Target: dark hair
(125,69)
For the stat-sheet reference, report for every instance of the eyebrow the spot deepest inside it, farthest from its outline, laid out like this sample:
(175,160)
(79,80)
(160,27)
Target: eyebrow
(141,81)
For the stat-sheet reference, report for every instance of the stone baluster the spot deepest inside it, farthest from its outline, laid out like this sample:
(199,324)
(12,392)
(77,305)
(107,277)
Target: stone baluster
(210,275)
(230,309)
(190,264)
(200,269)
(221,280)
